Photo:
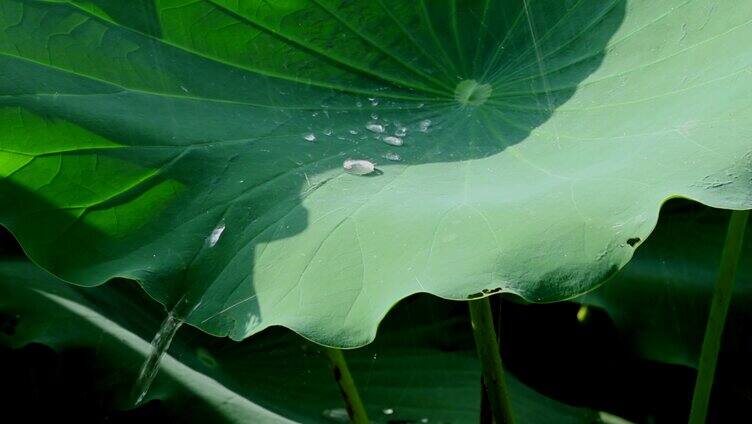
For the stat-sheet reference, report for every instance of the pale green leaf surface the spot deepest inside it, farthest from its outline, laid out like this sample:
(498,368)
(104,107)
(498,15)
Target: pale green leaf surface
(130,135)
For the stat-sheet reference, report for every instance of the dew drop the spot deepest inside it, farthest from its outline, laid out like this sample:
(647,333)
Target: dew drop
(388,411)
(358,166)
(359,104)
(400,132)
(309,137)
(424,420)
(353,132)
(215,235)
(374,102)
(337,414)
(394,141)
(328,131)
(374,116)
(394,157)
(377,128)
(424,125)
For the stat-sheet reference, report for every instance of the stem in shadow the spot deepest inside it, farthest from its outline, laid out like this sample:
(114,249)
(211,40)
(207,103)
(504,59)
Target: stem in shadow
(347,387)
(487,346)
(711,343)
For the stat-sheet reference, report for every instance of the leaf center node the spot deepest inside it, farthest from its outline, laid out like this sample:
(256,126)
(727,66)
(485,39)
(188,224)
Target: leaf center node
(472,93)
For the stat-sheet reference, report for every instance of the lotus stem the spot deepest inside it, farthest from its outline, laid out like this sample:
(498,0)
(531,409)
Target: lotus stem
(490,360)
(711,343)
(347,387)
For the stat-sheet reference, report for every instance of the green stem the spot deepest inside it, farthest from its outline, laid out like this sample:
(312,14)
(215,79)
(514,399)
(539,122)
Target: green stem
(488,352)
(347,388)
(719,307)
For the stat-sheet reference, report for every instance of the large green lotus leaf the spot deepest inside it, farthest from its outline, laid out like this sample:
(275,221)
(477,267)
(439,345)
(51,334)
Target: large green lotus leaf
(198,146)
(425,370)
(676,270)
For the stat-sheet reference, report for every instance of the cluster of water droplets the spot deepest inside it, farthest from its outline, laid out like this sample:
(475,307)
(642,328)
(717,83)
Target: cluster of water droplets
(392,134)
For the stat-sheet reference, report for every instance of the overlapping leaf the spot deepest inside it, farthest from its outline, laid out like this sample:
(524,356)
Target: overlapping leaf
(413,372)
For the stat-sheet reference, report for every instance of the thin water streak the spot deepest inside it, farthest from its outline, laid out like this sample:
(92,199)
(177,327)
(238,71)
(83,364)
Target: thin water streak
(159,345)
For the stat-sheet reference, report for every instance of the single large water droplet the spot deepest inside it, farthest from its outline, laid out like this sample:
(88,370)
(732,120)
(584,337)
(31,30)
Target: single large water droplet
(215,234)
(309,137)
(377,128)
(358,166)
(159,345)
(394,141)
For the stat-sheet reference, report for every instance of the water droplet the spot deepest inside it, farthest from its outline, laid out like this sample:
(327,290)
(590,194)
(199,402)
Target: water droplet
(394,157)
(377,128)
(353,132)
(359,104)
(401,131)
(337,414)
(215,234)
(420,105)
(424,125)
(388,411)
(358,166)
(374,102)
(394,141)
(424,420)
(328,131)
(374,116)
(309,137)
